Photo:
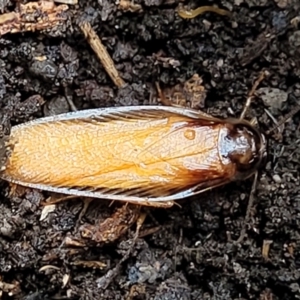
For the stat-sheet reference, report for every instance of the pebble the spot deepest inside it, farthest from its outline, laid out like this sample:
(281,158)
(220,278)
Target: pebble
(277,178)
(273,98)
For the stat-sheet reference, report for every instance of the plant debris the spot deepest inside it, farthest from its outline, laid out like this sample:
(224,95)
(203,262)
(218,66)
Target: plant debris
(33,16)
(102,54)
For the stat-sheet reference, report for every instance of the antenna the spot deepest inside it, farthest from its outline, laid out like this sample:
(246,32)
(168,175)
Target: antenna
(261,77)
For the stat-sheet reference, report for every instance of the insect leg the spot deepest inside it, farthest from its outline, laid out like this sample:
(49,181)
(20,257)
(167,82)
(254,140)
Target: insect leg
(51,201)
(12,189)
(139,223)
(69,97)
(86,203)
(250,204)
(162,97)
(166,204)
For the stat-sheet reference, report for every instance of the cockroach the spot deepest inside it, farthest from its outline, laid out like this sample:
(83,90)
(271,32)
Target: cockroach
(148,155)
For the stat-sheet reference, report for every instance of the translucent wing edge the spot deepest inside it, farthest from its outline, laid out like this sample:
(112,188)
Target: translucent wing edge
(125,113)
(124,195)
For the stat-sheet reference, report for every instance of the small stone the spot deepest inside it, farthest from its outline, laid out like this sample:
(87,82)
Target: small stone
(277,178)
(273,98)
(282,3)
(294,42)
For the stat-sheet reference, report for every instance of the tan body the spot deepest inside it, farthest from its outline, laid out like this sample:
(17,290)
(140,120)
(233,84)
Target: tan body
(135,154)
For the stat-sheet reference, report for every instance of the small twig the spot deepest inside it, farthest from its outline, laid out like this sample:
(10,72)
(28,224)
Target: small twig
(102,54)
(33,16)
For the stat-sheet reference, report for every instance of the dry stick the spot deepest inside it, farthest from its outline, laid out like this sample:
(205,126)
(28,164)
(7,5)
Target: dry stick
(102,54)
(33,16)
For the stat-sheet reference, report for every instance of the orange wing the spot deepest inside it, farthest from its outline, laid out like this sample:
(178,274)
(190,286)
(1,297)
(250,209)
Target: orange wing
(142,154)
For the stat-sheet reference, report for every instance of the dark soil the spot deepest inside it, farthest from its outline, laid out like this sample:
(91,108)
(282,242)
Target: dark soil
(193,255)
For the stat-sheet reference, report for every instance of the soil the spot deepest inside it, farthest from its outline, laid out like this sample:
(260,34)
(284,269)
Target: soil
(193,254)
